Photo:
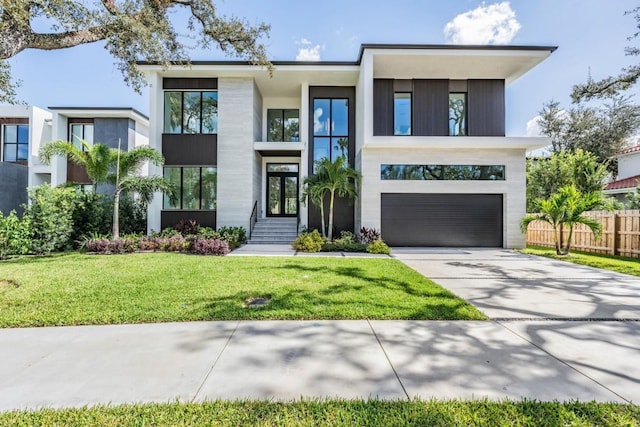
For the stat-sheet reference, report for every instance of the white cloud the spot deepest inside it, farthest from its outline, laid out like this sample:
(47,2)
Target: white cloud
(308,53)
(492,24)
(533,127)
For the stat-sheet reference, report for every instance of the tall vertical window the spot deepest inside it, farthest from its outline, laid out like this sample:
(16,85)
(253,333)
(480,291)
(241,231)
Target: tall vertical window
(330,129)
(195,187)
(457,114)
(79,132)
(283,126)
(191,112)
(15,143)
(402,113)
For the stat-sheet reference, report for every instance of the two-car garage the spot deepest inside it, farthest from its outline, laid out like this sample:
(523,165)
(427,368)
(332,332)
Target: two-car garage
(454,220)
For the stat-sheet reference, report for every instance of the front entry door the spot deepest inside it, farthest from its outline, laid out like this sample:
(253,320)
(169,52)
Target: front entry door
(282,194)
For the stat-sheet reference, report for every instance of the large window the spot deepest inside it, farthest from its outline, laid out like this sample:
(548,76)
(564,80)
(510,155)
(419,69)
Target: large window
(402,113)
(15,143)
(442,172)
(79,132)
(195,187)
(284,126)
(191,112)
(457,114)
(330,129)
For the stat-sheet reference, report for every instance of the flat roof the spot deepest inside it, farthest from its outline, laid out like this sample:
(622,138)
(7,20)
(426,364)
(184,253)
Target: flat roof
(105,109)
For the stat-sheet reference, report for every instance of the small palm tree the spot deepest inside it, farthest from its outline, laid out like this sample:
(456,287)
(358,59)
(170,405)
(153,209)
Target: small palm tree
(566,208)
(335,178)
(315,190)
(96,159)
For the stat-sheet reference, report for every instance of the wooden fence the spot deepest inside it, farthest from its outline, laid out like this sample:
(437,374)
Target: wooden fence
(620,234)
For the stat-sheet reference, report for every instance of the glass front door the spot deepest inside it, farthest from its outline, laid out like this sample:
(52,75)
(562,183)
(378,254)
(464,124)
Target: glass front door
(282,193)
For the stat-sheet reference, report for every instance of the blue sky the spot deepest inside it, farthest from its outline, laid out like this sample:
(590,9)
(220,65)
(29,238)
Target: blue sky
(591,35)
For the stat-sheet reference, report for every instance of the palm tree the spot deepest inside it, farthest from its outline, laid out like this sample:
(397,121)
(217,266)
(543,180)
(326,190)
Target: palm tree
(566,208)
(96,159)
(314,190)
(336,178)
(120,168)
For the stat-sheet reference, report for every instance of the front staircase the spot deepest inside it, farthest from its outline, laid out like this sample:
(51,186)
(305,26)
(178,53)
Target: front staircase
(274,231)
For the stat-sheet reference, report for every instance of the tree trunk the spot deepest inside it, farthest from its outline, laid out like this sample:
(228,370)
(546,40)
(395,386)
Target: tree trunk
(116,215)
(324,228)
(568,245)
(556,241)
(330,231)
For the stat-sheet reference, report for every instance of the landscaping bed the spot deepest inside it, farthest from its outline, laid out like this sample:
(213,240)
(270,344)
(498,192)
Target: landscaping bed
(79,289)
(338,413)
(608,262)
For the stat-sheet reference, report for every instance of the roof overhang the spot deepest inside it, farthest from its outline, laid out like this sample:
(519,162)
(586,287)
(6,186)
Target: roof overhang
(102,112)
(458,142)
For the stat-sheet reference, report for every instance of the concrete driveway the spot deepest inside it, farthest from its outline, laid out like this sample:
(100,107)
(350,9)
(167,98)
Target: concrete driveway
(510,285)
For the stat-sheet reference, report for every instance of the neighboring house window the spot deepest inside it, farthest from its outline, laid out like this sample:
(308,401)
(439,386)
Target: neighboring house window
(330,129)
(81,131)
(402,113)
(457,114)
(284,126)
(15,143)
(191,112)
(443,172)
(195,187)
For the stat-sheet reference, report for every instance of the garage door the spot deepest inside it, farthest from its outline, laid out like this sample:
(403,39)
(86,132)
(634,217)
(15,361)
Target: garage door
(471,220)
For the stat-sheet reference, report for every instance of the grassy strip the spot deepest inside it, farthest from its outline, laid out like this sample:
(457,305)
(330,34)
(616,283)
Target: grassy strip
(78,289)
(338,413)
(608,262)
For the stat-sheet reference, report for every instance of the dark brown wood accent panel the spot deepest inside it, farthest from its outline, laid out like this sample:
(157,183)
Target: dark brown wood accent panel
(430,108)
(455,220)
(171,218)
(382,107)
(343,212)
(486,110)
(77,173)
(179,83)
(81,120)
(343,215)
(14,120)
(190,149)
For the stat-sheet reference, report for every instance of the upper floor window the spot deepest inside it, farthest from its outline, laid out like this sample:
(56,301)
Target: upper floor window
(196,187)
(191,112)
(442,172)
(15,143)
(330,129)
(284,125)
(79,132)
(457,114)
(402,113)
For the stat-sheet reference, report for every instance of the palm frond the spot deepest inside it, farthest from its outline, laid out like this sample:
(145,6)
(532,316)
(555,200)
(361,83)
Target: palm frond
(132,161)
(145,187)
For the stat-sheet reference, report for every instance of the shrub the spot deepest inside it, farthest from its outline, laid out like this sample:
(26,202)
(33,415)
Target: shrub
(99,246)
(343,247)
(235,236)
(203,246)
(369,235)
(167,232)
(308,242)
(207,233)
(149,243)
(133,215)
(187,226)
(15,235)
(175,243)
(378,247)
(92,214)
(50,213)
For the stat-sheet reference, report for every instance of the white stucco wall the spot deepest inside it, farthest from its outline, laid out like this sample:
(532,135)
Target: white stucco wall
(629,165)
(236,161)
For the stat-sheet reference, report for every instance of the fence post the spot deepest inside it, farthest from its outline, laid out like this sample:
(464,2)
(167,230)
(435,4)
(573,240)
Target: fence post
(616,243)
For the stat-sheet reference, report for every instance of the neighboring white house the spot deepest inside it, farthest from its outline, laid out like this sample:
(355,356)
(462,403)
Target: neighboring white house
(628,174)
(424,125)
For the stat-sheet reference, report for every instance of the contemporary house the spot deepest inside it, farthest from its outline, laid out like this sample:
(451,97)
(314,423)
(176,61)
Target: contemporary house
(424,125)
(628,174)
(22,130)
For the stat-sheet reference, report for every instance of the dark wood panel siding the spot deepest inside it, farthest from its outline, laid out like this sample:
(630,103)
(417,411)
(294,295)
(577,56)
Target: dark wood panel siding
(190,149)
(14,120)
(81,120)
(77,173)
(343,211)
(486,109)
(171,218)
(430,108)
(382,107)
(343,215)
(456,220)
(180,83)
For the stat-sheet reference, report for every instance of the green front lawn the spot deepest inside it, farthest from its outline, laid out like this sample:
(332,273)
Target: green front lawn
(338,413)
(607,262)
(78,289)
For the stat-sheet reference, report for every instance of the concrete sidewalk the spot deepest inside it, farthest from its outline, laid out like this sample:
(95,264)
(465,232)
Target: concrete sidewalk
(87,365)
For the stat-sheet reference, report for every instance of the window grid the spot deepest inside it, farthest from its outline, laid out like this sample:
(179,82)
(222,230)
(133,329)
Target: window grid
(180,206)
(212,93)
(329,143)
(15,143)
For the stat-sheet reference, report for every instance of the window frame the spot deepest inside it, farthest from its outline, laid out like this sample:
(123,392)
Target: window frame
(330,135)
(17,143)
(83,124)
(466,113)
(445,177)
(282,125)
(181,187)
(182,92)
(410,96)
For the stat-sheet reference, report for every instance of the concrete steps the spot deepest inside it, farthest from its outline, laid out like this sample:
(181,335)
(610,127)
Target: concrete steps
(274,231)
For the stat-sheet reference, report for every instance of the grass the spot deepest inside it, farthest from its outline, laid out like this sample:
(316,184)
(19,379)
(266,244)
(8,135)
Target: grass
(608,262)
(337,413)
(78,289)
